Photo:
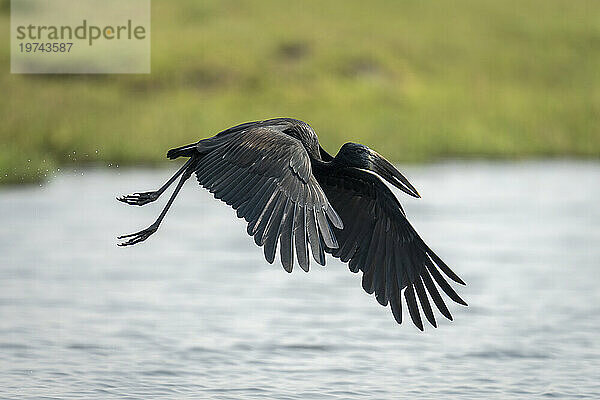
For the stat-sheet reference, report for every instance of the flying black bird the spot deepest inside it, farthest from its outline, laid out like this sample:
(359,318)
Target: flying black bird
(291,191)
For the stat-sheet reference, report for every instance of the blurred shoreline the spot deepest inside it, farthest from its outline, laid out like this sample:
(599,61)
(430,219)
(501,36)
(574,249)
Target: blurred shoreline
(418,82)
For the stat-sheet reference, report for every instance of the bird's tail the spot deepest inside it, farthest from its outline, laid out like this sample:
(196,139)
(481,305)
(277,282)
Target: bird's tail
(183,151)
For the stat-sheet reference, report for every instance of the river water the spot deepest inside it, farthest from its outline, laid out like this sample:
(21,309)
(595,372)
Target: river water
(196,312)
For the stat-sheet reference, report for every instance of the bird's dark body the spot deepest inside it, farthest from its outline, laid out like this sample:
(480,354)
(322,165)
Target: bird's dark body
(293,193)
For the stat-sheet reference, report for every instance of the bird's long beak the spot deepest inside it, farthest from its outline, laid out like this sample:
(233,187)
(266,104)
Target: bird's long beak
(386,170)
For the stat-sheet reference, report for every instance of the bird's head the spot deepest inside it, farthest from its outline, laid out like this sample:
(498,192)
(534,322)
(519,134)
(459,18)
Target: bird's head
(355,155)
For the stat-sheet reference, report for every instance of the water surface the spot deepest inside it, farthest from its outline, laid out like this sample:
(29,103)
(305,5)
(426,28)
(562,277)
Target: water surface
(196,312)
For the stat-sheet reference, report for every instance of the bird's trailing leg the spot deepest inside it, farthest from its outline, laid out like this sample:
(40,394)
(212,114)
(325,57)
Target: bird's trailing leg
(146,233)
(139,199)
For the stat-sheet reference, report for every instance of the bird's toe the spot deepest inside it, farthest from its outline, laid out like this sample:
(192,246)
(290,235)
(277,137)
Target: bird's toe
(137,237)
(139,199)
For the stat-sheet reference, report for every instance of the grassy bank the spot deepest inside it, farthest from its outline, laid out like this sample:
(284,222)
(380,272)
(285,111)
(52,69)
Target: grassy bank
(414,80)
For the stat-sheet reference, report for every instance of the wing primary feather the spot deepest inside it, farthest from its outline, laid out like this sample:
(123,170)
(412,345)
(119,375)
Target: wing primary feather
(351,233)
(410,262)
(363,247)
(396,305)
(325,229)
(371,260)
(313,235)
(353,265)
(273,229)
(350,251)
(390,273)
(263,219)
(334,217)
(258,207)
(445,286)
(413,309)
(435,295)
(322,252)
(274,216)
(300,238)
(380,272)
(449,273)
(424,302)
(286,247)
(371,250)
(400,281)
(346,236)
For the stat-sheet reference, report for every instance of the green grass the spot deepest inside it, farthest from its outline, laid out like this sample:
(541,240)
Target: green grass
(415,80)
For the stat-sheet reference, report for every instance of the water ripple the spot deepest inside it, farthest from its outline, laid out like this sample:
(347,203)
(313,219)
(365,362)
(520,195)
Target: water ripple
(195,312)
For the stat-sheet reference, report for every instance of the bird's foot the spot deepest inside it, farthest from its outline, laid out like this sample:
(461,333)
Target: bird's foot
(138,236)
(139,199)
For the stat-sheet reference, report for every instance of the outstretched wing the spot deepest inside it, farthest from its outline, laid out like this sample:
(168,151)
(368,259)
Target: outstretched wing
(267,177)
(378,240)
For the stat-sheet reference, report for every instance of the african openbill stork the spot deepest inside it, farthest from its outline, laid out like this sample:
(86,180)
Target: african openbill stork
(291,191)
